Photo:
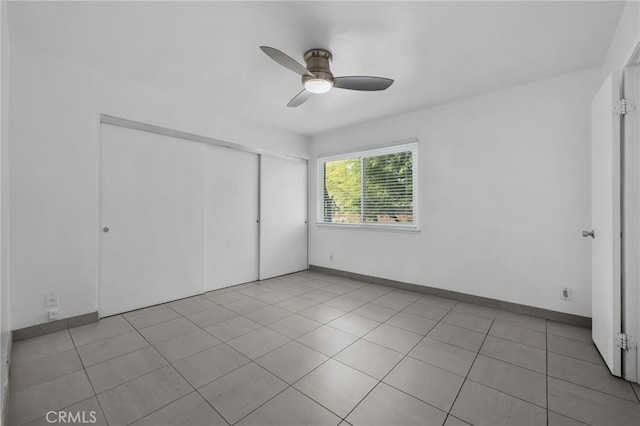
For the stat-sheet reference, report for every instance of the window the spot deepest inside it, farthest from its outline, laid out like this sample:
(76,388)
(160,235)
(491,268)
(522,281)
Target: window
(376,188)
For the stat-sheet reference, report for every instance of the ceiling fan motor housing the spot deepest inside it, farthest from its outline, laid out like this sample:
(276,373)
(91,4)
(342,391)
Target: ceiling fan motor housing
(318,63)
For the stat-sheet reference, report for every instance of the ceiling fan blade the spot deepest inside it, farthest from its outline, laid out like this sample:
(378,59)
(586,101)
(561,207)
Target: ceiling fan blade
(365,83)
(285,60)
(300,98)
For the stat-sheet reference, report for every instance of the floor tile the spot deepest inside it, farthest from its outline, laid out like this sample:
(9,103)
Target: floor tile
(386,406)
(510,379)
(590,406)
(41,347)
(567,330)
(112,347)
(344,303)
(520,320)
(290,408)
(296,290)
(515,353)
(89,411)
(375,312)
(166,330)
(103,329)
(116,371)
(369,358)
(211,316)
(291,361)
(393,338)
(321,313)
(295,304)
(294,326)
(327,340)
(182,346)
(224,298)
(579,349)
(426,382)
(426,311)
(27,374)
(589,375)
(267,314)
(191,305)
(556,419)
(410,322)
(273,297)
(483,406)
(409,295)
(477,310)
(443,355)
(389,301)
(34,402)
(340,289)
(190,410)
(636,388)
(354,324)
(364,294)
(210,364)
(253,289)
(318,296)
(522,335)
(232,328)
(245,305)
(438,302)
(472,322)
(457,336)
(336,386)
(154,315)
(242,391)
(453,421)
(258,342)
(135,399)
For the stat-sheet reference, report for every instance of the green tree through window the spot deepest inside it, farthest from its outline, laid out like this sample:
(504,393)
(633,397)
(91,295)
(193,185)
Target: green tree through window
(374,188)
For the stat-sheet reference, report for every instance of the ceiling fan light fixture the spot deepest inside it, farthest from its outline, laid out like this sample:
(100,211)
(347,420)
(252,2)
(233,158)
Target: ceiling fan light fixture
(318,85)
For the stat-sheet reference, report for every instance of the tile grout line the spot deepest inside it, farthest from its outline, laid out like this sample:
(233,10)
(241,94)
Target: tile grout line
(470,368)
(178,372)
(395,365)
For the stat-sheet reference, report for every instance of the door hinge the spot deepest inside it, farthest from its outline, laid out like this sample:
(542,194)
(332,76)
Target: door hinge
(624,341)
(623,106)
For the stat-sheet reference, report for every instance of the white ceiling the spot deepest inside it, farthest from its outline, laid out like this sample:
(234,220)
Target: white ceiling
(437,52)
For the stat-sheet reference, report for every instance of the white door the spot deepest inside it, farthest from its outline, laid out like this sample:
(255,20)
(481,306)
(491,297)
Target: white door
(152,219)
(283,216)
(605,222)
(232,217)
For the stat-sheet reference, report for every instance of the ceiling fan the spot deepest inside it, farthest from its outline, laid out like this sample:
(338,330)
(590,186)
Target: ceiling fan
(317,77)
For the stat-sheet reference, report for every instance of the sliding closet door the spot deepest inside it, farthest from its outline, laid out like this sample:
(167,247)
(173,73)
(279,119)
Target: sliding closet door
(232,217)
(283,213)
(152,219)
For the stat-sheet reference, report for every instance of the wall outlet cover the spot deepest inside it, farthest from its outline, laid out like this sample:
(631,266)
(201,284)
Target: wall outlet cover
(54,314)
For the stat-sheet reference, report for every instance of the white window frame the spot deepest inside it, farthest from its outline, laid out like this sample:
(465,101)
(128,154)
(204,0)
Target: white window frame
(412,146)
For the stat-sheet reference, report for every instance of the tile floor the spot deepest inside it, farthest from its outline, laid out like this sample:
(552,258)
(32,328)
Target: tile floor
(313,349)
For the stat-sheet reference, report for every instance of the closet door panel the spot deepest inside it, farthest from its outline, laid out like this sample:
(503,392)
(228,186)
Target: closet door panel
(283,213)
(232,217)
(152,196)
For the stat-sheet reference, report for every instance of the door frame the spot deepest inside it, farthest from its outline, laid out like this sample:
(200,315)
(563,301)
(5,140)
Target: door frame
(630,210)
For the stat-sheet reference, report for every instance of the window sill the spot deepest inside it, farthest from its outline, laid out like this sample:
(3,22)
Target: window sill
(381,227)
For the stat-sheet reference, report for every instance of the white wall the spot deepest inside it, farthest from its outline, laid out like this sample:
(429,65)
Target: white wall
(54,157)
(5,319)
(625,39)
(504,193)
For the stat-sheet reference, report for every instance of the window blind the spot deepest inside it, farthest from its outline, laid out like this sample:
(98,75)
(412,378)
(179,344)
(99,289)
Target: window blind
(376,187)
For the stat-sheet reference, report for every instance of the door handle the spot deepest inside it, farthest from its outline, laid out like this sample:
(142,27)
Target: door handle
(591,234)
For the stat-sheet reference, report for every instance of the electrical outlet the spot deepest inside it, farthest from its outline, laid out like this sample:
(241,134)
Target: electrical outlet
(566,294)
(54,314)
(51,299)
(330,258)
